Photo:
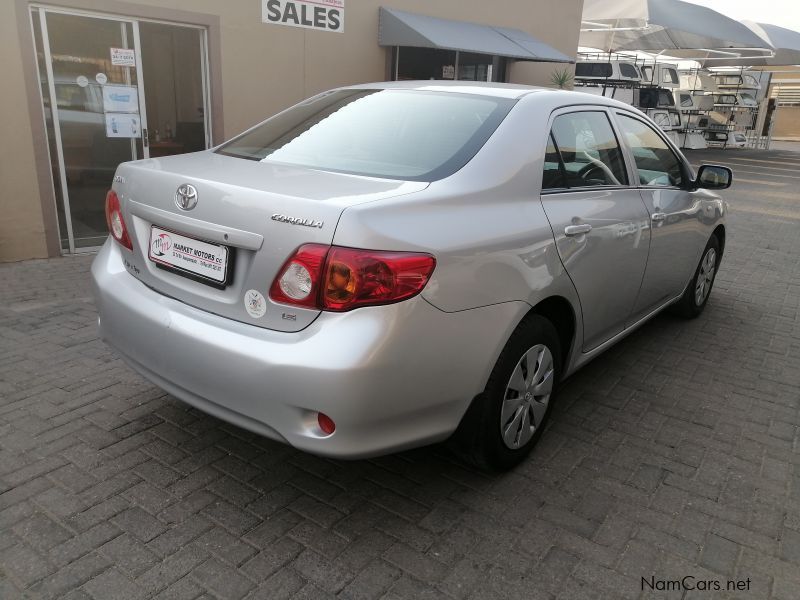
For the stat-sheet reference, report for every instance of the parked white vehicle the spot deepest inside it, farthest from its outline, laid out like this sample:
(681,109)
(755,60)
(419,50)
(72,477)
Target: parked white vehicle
(737,140)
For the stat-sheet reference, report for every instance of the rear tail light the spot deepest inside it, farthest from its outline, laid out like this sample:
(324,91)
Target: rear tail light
(340,279)
(115,222)
(298,281)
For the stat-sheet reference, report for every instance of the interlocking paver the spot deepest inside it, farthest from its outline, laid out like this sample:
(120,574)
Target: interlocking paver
(673,454)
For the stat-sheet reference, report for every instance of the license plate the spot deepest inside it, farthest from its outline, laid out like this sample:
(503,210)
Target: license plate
(188,255)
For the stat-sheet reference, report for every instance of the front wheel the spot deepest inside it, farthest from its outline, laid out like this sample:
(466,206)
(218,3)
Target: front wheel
(695,297)
(505,422)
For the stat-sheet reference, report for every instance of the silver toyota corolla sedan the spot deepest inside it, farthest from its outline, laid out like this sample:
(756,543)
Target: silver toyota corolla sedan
(386,266)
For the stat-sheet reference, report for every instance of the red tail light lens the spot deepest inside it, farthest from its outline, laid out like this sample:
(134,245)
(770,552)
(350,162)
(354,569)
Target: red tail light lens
(115,222)
(362,277)
(340,279)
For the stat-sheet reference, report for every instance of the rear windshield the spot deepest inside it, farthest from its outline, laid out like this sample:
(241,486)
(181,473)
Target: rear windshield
(395,134)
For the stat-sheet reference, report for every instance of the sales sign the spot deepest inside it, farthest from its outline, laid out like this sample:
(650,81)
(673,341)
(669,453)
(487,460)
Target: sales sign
(325,15)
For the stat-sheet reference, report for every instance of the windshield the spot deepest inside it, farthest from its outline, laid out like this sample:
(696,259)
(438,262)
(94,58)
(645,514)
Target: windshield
(395,134)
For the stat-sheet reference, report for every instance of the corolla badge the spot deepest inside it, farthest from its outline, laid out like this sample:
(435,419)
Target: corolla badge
(186,197)
(297,221)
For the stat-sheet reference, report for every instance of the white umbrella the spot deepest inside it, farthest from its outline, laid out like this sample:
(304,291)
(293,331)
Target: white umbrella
(662,25)
(785,44)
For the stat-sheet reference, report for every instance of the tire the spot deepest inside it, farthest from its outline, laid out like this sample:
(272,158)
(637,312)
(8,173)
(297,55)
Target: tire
(483,440)
(696,296)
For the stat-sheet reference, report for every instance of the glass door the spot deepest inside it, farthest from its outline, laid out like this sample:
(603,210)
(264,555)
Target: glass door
(174,77)
(94,70)
(92,96)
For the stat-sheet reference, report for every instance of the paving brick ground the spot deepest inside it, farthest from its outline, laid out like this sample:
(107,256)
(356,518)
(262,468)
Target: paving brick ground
(675,454)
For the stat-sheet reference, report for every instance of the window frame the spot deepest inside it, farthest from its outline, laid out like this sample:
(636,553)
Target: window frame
(686,171)
(624,151)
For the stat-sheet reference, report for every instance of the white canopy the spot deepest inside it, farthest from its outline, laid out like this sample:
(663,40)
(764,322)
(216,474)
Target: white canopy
(784,42)
(662,25)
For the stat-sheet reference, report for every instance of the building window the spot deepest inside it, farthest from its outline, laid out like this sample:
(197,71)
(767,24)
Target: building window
(432,63)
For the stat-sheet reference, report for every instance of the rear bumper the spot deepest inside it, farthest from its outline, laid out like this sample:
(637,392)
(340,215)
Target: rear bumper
(391,377)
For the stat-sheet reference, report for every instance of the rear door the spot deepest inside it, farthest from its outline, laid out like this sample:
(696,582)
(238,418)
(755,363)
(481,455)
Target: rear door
(599,221)
(676,214)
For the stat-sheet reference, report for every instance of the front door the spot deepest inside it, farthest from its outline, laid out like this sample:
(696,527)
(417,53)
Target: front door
(92,70)
(675,213)
(599,221)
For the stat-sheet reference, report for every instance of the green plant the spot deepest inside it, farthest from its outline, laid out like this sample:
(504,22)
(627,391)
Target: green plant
(561,79)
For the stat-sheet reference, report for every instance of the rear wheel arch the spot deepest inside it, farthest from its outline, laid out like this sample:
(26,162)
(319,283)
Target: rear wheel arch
(560,312)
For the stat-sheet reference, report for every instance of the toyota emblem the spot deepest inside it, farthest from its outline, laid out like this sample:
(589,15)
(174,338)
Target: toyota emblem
(186,197)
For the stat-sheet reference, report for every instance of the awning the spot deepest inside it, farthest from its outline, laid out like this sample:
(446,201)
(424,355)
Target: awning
(400,28)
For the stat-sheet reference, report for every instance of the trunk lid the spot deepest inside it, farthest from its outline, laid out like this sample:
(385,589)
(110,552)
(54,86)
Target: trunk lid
(260,212)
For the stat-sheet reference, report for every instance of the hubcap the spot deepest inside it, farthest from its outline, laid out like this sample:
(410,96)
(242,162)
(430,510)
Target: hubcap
(706,276)
(526,397)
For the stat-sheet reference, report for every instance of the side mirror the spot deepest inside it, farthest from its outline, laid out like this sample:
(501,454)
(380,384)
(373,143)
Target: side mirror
(713,177)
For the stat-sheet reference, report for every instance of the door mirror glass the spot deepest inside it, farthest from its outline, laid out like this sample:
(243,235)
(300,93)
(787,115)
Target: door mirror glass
(713,177)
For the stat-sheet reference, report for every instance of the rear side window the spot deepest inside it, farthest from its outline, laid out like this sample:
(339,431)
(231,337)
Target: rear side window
(395,134)
(553,176)
(647,73)
(656,162)
(686,100)
(588,149)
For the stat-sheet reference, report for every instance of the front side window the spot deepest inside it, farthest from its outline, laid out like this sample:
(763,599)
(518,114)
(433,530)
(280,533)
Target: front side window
(656,162)
(588,149)
(395,134)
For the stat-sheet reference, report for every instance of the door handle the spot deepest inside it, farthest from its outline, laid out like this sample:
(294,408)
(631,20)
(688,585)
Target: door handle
(144,137)
(577,229)
(659,216)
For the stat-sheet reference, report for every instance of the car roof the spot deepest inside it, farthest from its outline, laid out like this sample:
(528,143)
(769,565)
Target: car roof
(498,90)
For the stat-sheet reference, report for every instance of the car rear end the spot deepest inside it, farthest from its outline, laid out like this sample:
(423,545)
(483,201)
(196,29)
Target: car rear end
(222,283)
